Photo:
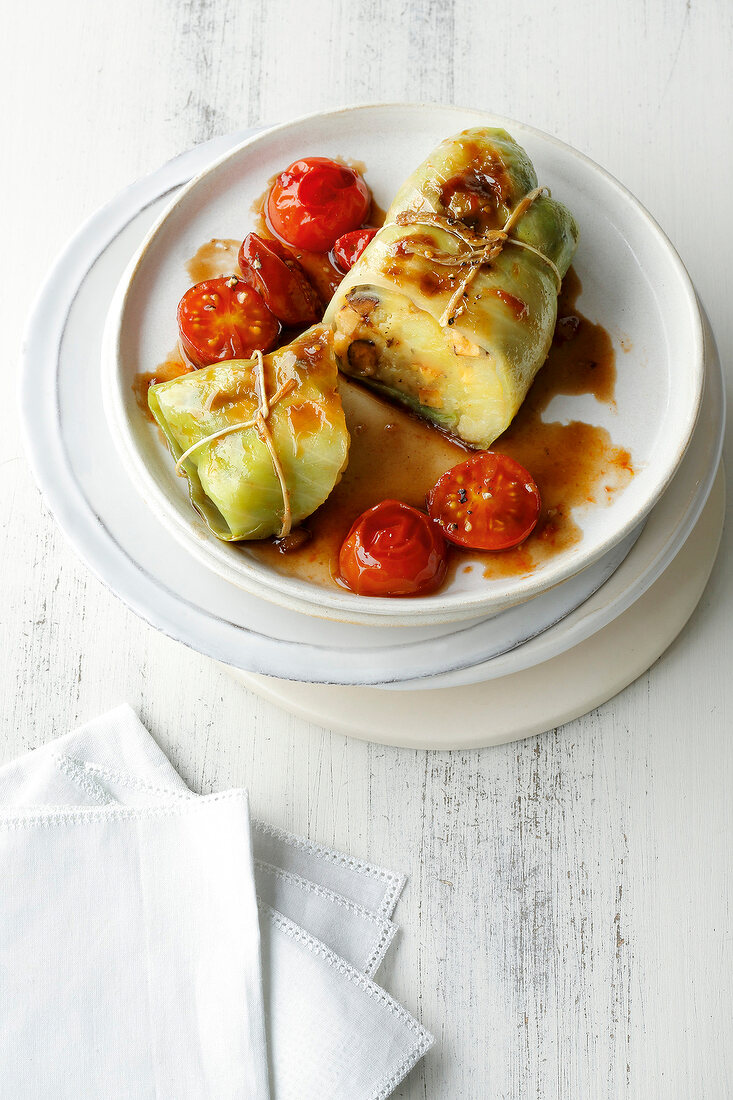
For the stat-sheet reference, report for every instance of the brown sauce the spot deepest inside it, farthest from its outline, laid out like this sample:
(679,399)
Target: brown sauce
(377,216)
(395,454)
(173,366)
(573,464)
(392,455)
(216,258)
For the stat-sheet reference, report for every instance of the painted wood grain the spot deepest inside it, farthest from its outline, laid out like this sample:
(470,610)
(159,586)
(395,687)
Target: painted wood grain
(567,927)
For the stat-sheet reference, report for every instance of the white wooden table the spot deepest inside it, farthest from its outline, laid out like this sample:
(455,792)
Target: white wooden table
(568,921)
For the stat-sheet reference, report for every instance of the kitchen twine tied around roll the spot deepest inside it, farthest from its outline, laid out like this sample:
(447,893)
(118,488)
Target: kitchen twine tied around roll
(476,250)
(258,421)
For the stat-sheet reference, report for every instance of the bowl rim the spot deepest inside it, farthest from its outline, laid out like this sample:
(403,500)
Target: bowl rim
(340,604)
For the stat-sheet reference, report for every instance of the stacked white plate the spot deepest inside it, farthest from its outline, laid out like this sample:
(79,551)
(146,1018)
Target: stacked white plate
(111,485)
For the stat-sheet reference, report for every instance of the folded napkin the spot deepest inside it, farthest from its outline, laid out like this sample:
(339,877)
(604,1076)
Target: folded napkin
(155,943)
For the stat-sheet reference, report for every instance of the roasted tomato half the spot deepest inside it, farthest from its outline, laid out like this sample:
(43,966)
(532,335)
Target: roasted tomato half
(393,550)
(350,246)
(224,319)
(489,502)
(270,269)
(316,200)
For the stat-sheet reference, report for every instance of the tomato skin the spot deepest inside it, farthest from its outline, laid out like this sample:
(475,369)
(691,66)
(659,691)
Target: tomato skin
(393,550)
(489,502)
(314,201)
(224,319)
(349,246)
(272,271)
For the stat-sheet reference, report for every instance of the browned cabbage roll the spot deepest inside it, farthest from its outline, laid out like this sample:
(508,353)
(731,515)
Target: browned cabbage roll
(452,306)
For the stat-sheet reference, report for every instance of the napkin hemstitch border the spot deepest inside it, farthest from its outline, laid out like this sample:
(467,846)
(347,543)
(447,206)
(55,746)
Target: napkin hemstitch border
(77,773)
(92,815)
(395,880)
(424,1039)
(387,930)
(134,783)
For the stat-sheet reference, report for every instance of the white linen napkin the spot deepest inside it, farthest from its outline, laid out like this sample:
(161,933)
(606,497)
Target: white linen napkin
(113,981)
(150,975)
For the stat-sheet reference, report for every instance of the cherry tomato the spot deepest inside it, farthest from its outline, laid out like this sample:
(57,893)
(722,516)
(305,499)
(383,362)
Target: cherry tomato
(350,246)
(270,269)
(489,502)
(393,550)
(314,201)
(224,319)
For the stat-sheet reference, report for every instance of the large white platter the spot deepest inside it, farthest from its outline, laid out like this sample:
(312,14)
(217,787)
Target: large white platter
(94,502)
(633,283)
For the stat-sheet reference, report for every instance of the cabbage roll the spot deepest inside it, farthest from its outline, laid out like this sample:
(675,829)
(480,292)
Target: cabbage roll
(452,306)
(262,441)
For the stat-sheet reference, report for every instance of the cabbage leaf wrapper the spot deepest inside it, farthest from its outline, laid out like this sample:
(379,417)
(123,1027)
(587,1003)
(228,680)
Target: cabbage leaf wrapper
(452,307)
(217,422)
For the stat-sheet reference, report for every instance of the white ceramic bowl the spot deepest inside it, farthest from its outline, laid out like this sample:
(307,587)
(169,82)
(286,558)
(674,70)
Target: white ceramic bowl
(633,283)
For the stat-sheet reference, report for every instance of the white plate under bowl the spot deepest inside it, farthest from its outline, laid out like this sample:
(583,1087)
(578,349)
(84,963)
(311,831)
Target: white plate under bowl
(99,510)
(633,283)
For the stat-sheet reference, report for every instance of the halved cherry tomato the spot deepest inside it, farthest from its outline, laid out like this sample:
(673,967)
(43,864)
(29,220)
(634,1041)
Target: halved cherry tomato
(350,246)
(270,269)
(314,201)
(489,502)
(393,550)
(224,319)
